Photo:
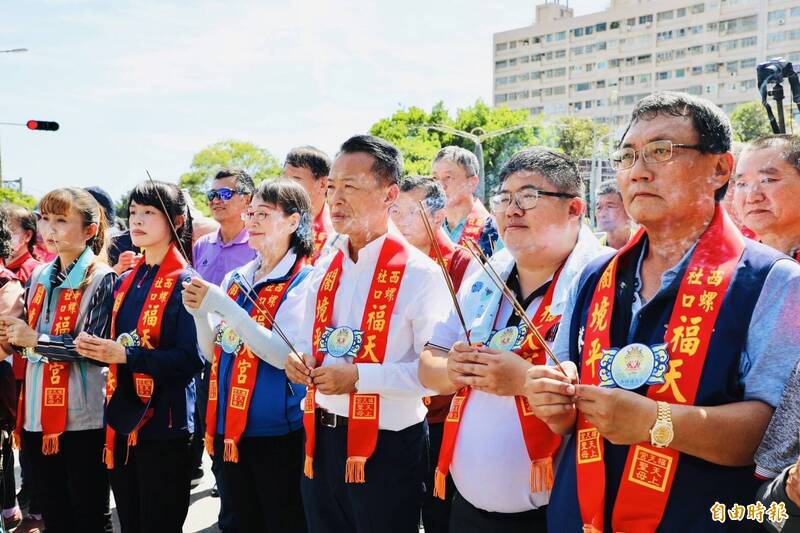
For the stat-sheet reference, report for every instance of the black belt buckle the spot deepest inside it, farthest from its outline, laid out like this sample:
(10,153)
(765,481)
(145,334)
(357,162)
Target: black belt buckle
(331,420)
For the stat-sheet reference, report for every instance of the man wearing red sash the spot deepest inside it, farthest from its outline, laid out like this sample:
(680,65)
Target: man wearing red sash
(682,342)
(358,317)
(417,193)
(467,219)
(766,187)
(500,455)
(310,167)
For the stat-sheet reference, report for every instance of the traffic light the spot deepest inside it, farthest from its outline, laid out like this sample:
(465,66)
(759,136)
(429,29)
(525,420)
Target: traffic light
(42,125)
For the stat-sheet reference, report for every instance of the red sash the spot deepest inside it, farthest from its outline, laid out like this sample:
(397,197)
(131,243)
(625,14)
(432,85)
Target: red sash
(55,386)
(474,226)
(363,419)
(541,443)
(322,228)
(148,329)
(647,479)
(243,380)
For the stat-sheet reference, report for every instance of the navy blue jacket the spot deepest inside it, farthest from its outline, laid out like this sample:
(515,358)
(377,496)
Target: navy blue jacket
(172,365)
(274,411)
(698,484)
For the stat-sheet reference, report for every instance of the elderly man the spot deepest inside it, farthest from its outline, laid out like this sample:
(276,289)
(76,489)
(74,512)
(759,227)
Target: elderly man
(466,218)
(358,320)
(766,188)
(677,347)
(611,215)
(501,456)
(310,167)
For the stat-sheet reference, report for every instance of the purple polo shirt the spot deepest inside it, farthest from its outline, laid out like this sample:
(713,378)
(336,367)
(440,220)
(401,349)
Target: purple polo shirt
(213,258)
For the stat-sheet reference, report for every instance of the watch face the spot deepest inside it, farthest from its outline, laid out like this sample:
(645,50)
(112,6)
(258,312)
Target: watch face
(662,433)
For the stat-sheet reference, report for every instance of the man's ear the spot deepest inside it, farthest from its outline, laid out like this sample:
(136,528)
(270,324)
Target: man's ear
(577,207)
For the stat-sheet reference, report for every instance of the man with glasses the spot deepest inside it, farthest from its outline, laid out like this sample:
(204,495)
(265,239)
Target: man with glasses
(466,218)
(677,347)
(766,190)
(500,455)
(216,254)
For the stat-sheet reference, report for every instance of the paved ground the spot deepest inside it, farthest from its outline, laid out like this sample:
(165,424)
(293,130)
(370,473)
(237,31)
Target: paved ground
(203,508)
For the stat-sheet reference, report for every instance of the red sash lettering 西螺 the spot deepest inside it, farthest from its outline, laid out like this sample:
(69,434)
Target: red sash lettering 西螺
(647,479)
(149,332)
(245,370)
(541,443)
(55,386)
(363,419)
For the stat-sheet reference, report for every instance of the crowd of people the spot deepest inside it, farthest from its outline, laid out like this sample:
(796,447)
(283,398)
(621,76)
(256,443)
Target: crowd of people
(361,350)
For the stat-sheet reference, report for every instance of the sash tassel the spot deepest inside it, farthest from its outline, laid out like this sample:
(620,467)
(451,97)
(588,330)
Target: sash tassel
(108,457)
(439,484)
(50,444)
(308,467)
(231,451)
(208,441)
(542,475)
(354,469)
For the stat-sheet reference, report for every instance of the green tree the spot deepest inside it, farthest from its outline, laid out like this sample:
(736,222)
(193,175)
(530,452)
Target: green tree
(12,196)
(749,122)
(575,136)
(256,161)
(418,144)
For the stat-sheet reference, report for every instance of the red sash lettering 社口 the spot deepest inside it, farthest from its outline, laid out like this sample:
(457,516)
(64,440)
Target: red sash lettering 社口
(649,472)
(55,386)
(540,442)
(245,371)
(364,411)
(149,332)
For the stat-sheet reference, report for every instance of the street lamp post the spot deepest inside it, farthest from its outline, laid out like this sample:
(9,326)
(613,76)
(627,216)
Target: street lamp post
(14,51)
(478,136)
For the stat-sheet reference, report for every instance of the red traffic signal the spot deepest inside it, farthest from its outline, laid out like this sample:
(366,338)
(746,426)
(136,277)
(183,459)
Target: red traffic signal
(42,125)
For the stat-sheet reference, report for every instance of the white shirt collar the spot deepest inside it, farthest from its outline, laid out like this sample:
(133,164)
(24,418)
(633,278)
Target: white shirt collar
(280,270)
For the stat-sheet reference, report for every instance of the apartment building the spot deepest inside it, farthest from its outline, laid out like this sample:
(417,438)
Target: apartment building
(599,65)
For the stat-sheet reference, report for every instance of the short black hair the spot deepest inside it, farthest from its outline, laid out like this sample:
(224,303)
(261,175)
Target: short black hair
(244,183)
(787,145)
(558,169)
(388,165)
(710,122)
(311,158)
(435,197)
(290,197)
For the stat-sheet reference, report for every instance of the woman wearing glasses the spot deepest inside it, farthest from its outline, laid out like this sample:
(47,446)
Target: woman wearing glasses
(254,418)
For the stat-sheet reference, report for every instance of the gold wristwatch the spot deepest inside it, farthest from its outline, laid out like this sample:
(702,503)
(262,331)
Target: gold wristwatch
(661,434)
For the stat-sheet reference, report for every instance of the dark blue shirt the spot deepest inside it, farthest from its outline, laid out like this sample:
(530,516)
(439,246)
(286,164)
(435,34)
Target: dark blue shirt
(172,365)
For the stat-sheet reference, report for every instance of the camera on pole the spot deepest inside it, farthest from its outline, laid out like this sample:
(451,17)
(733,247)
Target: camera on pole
(774,72)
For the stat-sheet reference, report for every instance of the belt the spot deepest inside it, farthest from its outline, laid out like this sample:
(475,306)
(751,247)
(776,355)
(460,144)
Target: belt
(330,420)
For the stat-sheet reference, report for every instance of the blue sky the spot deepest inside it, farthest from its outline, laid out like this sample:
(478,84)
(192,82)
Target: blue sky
(147,84)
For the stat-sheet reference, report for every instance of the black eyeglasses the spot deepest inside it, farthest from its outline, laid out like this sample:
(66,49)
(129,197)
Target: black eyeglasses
(525,199)
(223,194)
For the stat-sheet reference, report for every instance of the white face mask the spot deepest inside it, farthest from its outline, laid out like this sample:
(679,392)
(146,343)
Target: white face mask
(16,244)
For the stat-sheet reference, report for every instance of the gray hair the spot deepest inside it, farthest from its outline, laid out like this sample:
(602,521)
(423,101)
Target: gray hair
(461,157)
(558,169)
(435,197)
(608,187)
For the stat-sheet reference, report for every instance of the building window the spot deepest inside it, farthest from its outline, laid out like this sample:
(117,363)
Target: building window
(500,64)
(589,30)
(697,8)
(776,16)
(680,12)
(680,73)
(645,19)
(580,87)
(614,25)
(665,75)
(560,54)
(501,46)
(602,26)
(665,15)
(500,98)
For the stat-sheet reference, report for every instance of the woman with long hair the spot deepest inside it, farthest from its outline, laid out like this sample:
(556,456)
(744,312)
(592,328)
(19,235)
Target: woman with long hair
(254,418)
(60,415)
(150,394)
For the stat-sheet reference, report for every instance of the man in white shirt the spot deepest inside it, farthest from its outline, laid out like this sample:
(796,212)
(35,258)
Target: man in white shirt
(501,459)
(360,320)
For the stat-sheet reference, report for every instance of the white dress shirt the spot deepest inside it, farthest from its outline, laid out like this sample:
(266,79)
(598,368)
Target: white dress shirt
(491,467)
(422,301)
